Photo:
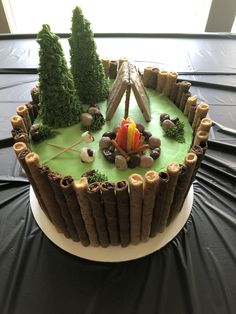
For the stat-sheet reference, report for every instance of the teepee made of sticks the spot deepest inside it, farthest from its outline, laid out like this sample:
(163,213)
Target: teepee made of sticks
(128,78)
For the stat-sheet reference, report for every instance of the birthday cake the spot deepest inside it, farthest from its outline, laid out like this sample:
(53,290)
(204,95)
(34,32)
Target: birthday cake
(110,152)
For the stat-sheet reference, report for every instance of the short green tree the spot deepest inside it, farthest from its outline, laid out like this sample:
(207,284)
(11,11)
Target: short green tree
(59,102)
(86,67)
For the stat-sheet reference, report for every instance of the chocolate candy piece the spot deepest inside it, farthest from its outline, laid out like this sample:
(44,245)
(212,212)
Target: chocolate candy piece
(140,127)
(109,155)
(166,124)
(154,142)
(104,142)
(134,161)
(121,162)
(155,154)
(146,161)
(175,120)
(164,116)
(147,134)
(111,135)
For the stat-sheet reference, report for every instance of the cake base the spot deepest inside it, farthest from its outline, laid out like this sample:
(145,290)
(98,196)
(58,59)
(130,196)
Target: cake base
(111,253)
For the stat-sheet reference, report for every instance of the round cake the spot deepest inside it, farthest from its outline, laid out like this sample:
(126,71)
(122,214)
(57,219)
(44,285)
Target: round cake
(110,158)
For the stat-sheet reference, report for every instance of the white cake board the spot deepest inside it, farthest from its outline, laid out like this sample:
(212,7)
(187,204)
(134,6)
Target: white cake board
(111,253)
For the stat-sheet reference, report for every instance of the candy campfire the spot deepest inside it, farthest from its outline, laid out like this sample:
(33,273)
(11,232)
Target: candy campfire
(130,146)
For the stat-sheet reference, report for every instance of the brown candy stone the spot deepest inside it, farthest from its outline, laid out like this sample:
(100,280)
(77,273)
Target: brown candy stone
(167,124)
(146,161)
(134,161)
(121,162)
(86,119)
(154,142)
(104,142)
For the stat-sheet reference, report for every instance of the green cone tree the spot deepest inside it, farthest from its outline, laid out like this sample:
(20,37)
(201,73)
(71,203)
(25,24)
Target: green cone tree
(86,67)
(59,102)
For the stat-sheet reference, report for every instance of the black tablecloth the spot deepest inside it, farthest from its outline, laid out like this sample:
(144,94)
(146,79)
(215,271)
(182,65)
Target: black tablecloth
(196,271)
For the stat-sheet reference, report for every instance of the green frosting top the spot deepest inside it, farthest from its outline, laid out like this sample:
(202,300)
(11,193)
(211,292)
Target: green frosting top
(69,163)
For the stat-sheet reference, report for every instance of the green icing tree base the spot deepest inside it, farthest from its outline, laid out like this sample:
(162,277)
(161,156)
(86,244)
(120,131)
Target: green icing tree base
(86,67)
(59,103)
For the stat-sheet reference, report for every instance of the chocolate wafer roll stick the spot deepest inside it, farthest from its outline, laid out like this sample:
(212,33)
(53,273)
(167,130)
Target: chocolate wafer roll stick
(21,151)
(54,180)
(18,122)
(173,173)
(35,94)
(94,196)
(183,87)
(200,152)
(201,136)
(191,112)
(106,66)
(110,207)
(24,113)
(80,188)
(31,112)
(159,201)
(174,209)
(122,199)
(183,100)
(74,209)
(35,108)
(54,212)
(153,78)
(200,113)
(161,80)
(191,101)
(40,176)
(183,185)
(174,92)
(170,81)
(205,125)
(19,147)
(147,73)
(151,180)
(136,204)
(190,161)
(113,69)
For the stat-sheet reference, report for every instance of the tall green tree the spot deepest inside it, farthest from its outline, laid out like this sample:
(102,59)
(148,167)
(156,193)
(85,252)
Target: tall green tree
(59,102)
(86,66)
